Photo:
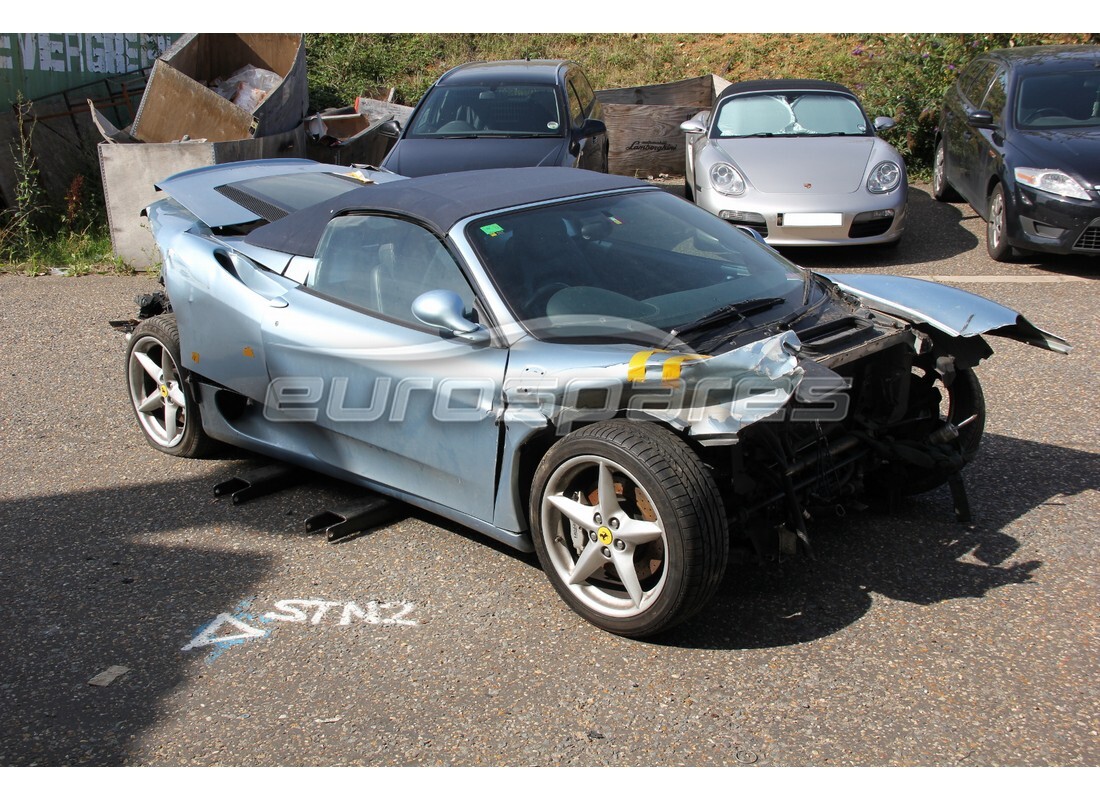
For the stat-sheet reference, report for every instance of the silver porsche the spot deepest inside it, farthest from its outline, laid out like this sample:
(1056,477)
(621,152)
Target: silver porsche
(571,363)
(798,161)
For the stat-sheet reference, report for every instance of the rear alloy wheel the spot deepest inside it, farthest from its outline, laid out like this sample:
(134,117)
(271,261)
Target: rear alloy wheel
(629,527)
(996,228)
(162,400)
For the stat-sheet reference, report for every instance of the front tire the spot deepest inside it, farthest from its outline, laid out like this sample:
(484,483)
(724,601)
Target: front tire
(165,408)
(941,188)
(629,527)
(962,405)
(996,228)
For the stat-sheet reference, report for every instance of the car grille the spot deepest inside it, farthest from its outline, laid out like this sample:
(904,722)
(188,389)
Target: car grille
(1089,238)
(870,227)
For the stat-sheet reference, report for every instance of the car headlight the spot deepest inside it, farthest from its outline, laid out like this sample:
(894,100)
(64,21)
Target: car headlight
(726,179)
(1051,180)
(885,177)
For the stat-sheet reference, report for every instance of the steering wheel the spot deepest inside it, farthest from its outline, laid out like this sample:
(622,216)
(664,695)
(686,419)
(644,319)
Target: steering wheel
(1044,112)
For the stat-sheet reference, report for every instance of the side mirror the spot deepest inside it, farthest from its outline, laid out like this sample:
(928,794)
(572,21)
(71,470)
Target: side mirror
(693,126)
(591,127)
(390,128)
(884,123)
(980,118)
(443,309)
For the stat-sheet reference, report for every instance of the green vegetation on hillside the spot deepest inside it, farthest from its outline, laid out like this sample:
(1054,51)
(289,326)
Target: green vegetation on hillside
(902,76)
(899,75)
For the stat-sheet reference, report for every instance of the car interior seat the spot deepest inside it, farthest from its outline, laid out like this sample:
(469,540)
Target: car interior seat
(348,254)
(413,263)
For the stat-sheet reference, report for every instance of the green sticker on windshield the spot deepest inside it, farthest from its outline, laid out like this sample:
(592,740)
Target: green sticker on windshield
(492,230)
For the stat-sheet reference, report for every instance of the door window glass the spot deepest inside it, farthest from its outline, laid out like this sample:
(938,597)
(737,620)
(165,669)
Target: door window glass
(995,98)
(382,264)
(975,83)
(585,95)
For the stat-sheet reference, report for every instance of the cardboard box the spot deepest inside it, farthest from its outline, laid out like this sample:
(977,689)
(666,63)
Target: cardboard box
(179,102)
(345,139)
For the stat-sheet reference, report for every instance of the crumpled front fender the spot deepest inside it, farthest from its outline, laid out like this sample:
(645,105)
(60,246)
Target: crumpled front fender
(953,311)
(710,398)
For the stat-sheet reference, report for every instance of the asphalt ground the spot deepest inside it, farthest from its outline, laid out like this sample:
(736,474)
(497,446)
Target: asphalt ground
(910,640)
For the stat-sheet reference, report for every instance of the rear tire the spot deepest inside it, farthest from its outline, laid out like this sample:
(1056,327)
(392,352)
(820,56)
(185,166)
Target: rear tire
(160,395)
(629,527)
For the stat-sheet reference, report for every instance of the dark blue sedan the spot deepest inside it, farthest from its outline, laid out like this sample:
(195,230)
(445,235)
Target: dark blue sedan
(502,114)
(1019,139)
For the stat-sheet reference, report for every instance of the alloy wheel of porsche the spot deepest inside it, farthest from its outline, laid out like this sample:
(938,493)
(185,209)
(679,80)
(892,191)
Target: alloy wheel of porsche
(629,527)
(160,397)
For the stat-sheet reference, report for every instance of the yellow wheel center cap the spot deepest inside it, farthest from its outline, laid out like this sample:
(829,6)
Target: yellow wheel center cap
(164,390)
(605,535)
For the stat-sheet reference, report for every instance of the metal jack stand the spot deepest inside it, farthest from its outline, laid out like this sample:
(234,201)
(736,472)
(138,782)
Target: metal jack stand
(960,499)
(346,524)
(258,482)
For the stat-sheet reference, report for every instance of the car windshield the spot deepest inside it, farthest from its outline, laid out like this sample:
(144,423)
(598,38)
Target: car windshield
(790,114)
(632,263)
(488,110)
(1059,100)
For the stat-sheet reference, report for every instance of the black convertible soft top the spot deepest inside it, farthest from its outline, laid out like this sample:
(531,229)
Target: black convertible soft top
(439,201)
(790,85)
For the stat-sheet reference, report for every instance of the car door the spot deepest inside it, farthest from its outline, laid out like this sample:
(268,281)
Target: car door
(969,140)
(387,397)
(989,153)
(583,105)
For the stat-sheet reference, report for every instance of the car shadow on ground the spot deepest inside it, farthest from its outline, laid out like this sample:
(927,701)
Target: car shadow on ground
(936,233)
(910,553)
(917,553)
(88,587)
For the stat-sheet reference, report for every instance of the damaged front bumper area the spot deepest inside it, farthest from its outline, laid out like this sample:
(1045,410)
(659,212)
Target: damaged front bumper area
(861,409)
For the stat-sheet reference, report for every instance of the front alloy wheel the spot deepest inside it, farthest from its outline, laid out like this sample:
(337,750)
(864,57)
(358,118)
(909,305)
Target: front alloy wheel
(941,189)
(996,227)
(629,527)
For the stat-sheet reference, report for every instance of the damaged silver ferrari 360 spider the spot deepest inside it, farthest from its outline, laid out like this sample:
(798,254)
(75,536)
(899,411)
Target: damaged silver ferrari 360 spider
(578,364)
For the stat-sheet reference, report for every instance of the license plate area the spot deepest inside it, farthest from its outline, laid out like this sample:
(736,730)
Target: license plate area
(810,220)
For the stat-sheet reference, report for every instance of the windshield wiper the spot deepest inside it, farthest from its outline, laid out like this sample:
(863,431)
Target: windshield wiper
(732,311)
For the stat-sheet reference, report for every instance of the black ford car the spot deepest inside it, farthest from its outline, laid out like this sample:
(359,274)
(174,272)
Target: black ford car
(491,114)
(1019,139)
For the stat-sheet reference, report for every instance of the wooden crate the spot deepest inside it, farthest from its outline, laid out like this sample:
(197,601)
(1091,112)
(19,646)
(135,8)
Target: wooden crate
(643,123)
